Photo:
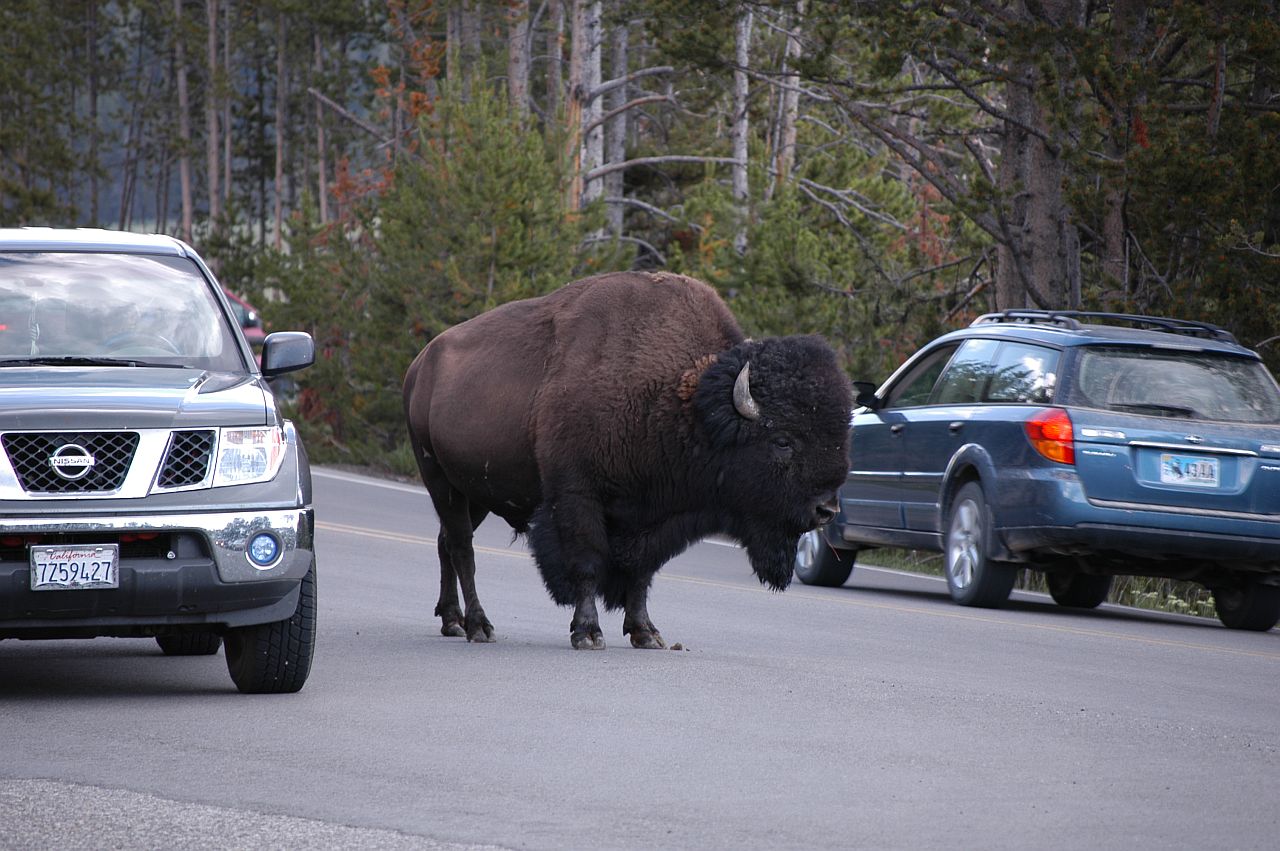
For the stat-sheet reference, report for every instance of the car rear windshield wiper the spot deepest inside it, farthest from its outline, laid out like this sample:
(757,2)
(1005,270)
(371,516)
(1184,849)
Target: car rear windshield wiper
(86,361)
(1152,408)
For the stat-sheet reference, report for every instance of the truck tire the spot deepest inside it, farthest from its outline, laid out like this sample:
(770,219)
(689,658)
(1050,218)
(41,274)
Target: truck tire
(275,658)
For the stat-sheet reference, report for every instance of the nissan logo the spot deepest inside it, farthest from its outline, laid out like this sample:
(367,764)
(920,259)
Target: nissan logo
(71,461)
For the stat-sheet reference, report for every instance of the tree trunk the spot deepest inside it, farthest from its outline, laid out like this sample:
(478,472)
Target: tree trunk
(1128,24)
(555,56)
(587,15)
(518,56)
(453,45)
(574,102)
(322,164)
(227,30)
(785,151)
(184,121)
(212,141)
(133,139)
(1039,259)
(282,93)
(741,128)
(92,49)
(616,130)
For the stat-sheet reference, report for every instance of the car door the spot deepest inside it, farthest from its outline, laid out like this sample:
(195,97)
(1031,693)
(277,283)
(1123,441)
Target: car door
(933,432)
(983,399)
(872,497)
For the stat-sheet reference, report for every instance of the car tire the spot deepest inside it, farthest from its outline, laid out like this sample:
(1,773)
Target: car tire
(1078,590)
(820,563)
(189,643)
(973,578)
(275,658)
(1252,606)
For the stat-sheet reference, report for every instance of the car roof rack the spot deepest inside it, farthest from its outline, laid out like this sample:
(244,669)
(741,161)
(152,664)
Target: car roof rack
(1071,319)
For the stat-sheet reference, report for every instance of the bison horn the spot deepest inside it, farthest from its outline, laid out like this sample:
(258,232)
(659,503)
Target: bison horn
(742,395)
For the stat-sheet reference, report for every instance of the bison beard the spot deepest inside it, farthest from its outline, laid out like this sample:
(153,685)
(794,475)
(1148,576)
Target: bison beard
(616,421)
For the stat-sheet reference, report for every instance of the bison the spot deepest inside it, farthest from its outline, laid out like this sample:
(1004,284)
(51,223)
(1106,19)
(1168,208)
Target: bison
(615,421)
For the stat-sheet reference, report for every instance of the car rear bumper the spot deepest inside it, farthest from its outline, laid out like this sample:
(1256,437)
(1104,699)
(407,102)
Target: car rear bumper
(193,570)
(1146,543)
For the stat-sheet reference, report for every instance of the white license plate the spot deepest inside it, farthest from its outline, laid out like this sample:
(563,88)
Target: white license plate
(60,567)
(1194,470)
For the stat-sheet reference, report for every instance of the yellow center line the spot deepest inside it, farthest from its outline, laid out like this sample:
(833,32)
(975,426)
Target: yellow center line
(957,614)
(417,540)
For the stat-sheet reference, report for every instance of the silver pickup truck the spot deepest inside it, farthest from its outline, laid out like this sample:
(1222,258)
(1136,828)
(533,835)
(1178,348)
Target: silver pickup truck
(149,486)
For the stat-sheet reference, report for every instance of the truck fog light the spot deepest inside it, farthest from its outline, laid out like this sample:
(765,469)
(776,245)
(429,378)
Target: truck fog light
(264,549)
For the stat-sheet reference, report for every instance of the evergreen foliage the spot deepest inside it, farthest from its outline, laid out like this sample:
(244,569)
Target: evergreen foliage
(413,197)
(475,220)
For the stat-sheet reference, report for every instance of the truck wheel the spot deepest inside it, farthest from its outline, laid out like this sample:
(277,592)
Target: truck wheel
(819,563)
(189,643)
(1250,606)
(972,577)
(275,658)
(1078,590)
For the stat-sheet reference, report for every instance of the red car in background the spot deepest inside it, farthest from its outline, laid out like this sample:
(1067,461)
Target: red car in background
(250,320)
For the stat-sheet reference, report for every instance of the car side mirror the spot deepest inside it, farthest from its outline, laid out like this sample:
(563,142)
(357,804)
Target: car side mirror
(285,351)
(866,395)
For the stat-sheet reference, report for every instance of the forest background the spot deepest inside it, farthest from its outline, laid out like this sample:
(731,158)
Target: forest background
(374,171)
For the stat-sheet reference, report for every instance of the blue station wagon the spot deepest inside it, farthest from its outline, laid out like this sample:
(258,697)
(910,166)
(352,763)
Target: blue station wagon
(1084,445)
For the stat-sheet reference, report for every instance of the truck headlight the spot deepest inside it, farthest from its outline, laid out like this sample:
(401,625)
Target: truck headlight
(247,455)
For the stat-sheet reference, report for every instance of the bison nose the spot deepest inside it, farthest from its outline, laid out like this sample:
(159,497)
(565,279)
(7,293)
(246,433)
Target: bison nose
(825,512)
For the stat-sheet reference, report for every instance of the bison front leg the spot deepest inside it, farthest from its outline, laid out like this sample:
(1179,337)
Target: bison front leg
(584,629)
(636,623)
(570,546)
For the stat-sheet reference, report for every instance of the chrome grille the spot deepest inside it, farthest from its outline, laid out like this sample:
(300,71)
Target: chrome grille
(186,462)
(31,454)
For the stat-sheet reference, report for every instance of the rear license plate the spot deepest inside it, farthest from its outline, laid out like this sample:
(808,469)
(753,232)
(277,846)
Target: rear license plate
(58,567)
(1194,470)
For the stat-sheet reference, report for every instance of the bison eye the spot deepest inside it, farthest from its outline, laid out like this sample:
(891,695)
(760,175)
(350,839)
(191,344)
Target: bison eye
(783,444)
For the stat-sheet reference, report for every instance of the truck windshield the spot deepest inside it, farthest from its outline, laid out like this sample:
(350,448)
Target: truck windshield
(137,309)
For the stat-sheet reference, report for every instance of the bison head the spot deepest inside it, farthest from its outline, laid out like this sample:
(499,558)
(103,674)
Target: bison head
(775,414)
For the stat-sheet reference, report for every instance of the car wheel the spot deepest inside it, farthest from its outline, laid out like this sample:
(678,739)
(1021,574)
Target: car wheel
(819,563)
(1078,590)
(189,643)
(275,658)
(972,577)
(1252,606)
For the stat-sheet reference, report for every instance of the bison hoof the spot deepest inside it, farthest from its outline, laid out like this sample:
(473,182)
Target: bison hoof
(453,629)
(479,630)
(587,640)
(645,640)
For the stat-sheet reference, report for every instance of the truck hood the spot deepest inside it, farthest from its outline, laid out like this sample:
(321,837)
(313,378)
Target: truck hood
(83,398)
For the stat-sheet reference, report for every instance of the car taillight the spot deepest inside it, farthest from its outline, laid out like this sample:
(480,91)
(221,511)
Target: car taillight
(1050,433)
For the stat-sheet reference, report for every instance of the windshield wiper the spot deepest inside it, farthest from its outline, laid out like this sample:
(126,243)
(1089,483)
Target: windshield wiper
(86,361)
(1149,407)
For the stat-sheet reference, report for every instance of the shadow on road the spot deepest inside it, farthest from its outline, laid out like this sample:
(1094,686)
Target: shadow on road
(1037,604)
(104,668)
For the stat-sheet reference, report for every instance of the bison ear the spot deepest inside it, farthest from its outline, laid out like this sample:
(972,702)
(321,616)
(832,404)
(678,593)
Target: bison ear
(724,400)
(742,400)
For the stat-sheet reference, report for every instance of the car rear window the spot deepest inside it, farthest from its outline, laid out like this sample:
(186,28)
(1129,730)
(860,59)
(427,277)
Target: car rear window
(98,305)
(1169,383)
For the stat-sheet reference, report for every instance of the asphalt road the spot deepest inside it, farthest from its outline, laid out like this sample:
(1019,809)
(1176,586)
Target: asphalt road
(877,715)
